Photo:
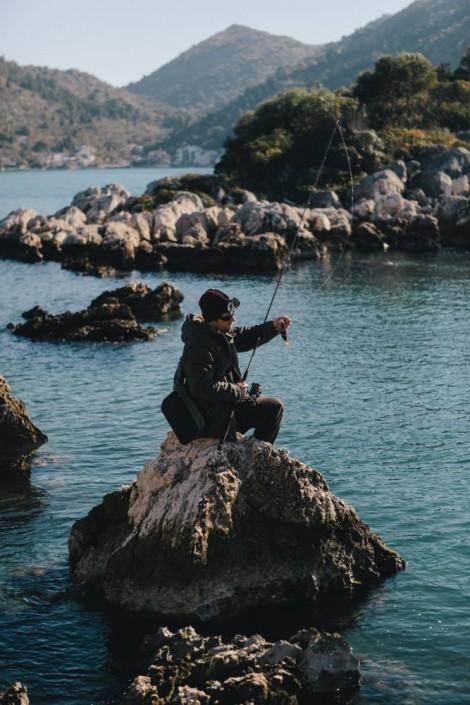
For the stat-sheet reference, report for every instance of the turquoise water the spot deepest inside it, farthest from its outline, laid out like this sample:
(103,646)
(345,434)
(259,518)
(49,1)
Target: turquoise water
(376,383)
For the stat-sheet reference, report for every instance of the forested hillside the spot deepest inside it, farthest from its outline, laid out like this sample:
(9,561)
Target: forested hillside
(46,112)
(438,29)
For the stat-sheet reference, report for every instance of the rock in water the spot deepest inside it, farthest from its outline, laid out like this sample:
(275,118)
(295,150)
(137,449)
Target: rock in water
(15,694)
(107,323)
(204,533)
(146,304)
(188,668)
(18,435)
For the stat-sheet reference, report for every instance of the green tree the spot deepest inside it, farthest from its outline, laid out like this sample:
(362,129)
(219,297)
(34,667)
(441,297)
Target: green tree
(277,150)
(462,72)
(397,89)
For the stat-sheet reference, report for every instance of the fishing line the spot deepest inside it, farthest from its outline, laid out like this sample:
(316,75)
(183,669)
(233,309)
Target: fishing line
(336,127)
(287,262)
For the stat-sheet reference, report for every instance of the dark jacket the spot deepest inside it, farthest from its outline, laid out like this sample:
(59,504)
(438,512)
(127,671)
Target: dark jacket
(211,367)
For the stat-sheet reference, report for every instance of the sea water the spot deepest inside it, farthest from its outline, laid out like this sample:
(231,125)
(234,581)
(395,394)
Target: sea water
(376,383)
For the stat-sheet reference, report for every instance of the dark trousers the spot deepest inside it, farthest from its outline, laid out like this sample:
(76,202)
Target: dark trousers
(264,415)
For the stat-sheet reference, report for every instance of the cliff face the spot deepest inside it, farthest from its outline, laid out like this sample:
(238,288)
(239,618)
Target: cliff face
(204,533)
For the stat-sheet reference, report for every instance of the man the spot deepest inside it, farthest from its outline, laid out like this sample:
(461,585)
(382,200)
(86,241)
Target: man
(212,371)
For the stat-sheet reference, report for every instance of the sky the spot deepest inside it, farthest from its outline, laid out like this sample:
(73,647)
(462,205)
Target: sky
(120,41)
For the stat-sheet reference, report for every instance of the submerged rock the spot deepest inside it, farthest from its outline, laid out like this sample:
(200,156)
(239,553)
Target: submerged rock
(18,434)
(188,668)
(15,694)
(204,533)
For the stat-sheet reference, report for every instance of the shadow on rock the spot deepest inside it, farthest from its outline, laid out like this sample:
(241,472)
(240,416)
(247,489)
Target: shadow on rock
(19,437)
(205,534)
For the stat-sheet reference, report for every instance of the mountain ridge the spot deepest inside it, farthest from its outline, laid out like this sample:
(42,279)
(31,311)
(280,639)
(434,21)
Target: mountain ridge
(218,69)
(45,113)
(340,62)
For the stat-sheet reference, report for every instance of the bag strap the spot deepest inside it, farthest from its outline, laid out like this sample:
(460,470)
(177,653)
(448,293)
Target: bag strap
(179,386)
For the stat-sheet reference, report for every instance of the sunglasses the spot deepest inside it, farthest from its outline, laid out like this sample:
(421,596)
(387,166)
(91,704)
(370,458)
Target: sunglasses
(226,317)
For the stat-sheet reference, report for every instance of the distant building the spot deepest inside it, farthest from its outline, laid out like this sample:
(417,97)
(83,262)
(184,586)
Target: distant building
(192,155)
(86,156)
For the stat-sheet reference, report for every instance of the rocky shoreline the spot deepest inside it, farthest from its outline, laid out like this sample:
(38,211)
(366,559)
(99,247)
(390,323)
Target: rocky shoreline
(415,207)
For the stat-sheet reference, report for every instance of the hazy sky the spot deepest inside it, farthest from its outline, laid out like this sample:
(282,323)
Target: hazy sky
(121,40)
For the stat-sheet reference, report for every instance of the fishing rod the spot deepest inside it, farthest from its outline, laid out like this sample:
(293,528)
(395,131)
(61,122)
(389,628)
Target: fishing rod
(287,261)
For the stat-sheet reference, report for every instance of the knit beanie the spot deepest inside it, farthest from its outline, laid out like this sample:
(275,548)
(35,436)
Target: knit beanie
(214,303)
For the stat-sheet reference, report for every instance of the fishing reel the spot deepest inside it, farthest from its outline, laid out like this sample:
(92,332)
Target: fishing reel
(255,391)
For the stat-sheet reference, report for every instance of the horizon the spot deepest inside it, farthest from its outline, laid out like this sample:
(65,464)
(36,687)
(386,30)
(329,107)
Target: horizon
(99,32)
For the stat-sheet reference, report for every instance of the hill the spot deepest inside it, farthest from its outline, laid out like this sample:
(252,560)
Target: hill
(219,69)
(64,118)
(439,29)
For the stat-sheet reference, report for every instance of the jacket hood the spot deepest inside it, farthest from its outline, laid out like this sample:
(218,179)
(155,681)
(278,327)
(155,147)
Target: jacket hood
(195,325)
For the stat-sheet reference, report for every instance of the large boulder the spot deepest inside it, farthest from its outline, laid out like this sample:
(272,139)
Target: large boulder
(453,162)
(453,215)
(380,183)
(98,202)
(332,226)
(436,184)
(186,667)
(15,239)
(205,533)
(16,223)
(166,216)
(18,434)
(367,237)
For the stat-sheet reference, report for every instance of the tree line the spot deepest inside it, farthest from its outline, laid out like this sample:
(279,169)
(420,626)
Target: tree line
(404,102)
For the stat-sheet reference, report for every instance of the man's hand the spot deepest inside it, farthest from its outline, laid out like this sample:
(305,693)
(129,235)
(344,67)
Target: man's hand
(281,323)
(243,387)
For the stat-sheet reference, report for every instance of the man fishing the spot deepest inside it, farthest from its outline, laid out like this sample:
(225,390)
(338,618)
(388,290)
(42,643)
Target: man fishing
(212,372)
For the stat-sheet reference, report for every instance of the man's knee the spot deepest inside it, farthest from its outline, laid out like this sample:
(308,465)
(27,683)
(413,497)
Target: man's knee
(275,407)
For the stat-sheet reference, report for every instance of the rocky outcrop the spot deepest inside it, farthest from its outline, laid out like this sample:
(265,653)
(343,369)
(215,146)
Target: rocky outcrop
(112,317)
(188,668)
(99,202)
(212,229)
(103,231)
(18,434)
(106,323)
(205,533)
(15,694)
(146,304)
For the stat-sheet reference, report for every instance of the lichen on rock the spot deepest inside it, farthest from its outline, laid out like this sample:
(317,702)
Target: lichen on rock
(206,533)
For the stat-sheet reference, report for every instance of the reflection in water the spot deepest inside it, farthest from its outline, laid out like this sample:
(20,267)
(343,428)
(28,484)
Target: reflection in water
(20,501)
(383,679)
